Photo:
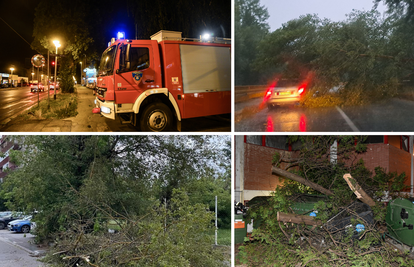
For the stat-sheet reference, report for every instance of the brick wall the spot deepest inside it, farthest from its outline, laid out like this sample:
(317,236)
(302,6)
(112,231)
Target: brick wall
(376,155)
(257,168)
(400,161)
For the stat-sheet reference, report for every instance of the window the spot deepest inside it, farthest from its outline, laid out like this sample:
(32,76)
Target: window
(107,61)
(405,145)
(374,139)
(277,141)
(254,139)
(139,58)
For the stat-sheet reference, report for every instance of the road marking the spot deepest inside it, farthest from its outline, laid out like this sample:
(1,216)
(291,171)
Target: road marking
(348,120)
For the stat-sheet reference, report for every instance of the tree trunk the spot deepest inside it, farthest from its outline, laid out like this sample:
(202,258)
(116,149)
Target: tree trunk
(358,191)
(297,178)
(296,218)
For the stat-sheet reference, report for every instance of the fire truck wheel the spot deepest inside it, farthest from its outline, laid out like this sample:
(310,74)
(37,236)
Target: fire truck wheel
(156,117)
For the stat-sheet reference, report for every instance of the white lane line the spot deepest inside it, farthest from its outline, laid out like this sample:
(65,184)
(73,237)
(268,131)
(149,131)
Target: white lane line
(348,120)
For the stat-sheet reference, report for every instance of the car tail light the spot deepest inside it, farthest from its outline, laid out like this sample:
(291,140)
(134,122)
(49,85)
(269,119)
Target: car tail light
(301,89)
(269,91)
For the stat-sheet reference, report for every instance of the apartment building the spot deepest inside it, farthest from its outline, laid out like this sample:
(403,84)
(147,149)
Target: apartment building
(5,164)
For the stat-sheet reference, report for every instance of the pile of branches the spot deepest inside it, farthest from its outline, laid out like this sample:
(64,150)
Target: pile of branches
(338,235)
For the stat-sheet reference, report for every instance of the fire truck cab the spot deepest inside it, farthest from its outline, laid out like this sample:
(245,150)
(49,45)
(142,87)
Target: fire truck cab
(156,83)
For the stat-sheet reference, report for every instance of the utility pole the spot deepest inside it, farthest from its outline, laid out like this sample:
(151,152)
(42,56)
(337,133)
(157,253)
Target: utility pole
(216,224)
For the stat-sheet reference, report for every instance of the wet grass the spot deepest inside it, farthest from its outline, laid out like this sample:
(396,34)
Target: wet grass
(64,106)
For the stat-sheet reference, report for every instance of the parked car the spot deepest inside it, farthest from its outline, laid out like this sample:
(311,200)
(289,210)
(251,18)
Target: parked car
(6,219)
(34,87)
(52,86)
(5,213)
(21,226)
(284,91)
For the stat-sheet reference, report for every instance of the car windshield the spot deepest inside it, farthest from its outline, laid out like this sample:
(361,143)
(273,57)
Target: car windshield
(107,61)
(287,83)
(28,218)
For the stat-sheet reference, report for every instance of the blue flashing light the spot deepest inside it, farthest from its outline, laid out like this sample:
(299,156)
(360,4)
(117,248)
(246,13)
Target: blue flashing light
(120,35)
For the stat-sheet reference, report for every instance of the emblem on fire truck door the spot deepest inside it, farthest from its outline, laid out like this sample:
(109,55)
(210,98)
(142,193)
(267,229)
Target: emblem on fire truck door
(174,80)
(137,75)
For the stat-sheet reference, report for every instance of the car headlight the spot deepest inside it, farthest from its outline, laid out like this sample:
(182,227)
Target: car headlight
(106,110)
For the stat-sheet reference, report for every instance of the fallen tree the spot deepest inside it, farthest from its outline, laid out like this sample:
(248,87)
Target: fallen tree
(297,178)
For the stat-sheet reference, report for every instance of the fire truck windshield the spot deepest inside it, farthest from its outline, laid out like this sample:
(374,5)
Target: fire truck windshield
(107,61)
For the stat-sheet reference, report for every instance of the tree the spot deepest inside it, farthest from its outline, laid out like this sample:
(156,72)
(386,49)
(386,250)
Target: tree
(366,54)
(323,160)
(82,184)
(250,28)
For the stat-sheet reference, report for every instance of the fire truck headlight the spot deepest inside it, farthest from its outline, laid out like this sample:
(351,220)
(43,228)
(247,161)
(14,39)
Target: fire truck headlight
(106,110)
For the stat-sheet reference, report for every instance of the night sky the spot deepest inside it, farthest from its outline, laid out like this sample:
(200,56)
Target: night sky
(19,14)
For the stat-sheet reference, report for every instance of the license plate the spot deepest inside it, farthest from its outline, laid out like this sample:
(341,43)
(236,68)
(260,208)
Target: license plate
(284,93)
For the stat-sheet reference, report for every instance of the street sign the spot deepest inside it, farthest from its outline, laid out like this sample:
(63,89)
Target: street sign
(38,61)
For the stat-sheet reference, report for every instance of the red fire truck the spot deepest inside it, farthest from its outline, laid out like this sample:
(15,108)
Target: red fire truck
(156,83)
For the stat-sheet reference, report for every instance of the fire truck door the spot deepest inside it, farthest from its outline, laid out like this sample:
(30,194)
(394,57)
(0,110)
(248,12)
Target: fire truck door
(136,73)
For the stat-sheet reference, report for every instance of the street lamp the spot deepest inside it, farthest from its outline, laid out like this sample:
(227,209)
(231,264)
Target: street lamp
(32,76)
(57,44)
(81,73)
(11,78)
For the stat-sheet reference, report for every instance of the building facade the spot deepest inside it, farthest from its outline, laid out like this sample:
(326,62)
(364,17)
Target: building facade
(5,164)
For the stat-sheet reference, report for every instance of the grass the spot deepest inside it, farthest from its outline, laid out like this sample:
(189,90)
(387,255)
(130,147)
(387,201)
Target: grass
(224,237)
(64,106)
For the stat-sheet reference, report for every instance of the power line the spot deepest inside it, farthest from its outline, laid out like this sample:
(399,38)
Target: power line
(16,32)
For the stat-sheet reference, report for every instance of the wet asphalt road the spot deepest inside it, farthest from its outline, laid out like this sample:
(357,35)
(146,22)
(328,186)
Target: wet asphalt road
(393,115)
(15,100)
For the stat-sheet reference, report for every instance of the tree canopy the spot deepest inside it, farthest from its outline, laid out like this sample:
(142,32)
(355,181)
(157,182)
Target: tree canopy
(367,56)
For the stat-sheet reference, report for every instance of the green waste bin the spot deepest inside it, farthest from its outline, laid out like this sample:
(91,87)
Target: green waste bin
(240,229)
(400,220)
(304,205)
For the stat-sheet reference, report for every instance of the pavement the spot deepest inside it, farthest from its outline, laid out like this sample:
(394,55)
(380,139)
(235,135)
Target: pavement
(18,250)
(85,121)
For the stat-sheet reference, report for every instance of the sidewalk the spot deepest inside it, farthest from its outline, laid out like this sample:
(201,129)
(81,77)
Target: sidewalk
(85,121)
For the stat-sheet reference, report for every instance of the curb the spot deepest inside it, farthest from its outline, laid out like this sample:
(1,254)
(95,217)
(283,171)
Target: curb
(33,253)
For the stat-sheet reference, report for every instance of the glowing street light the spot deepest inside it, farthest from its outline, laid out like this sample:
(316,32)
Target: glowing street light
(32,76)
(11,78)
(57,44)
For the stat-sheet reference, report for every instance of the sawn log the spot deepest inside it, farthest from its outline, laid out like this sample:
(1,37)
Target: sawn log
(296,218)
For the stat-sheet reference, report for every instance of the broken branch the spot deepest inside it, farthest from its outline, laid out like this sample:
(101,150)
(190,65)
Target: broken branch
(297,178)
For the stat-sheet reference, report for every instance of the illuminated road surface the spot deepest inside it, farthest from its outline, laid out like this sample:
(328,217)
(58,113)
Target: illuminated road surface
(394,115)
(14,100)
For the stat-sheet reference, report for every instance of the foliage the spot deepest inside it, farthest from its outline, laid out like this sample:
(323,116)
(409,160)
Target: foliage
(67,84)
(179,235)
(82,184)
(367,56)
(324,163)
(250,28)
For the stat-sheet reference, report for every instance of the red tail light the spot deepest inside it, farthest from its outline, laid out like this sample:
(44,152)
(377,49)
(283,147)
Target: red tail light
(269,91)
(301,89)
